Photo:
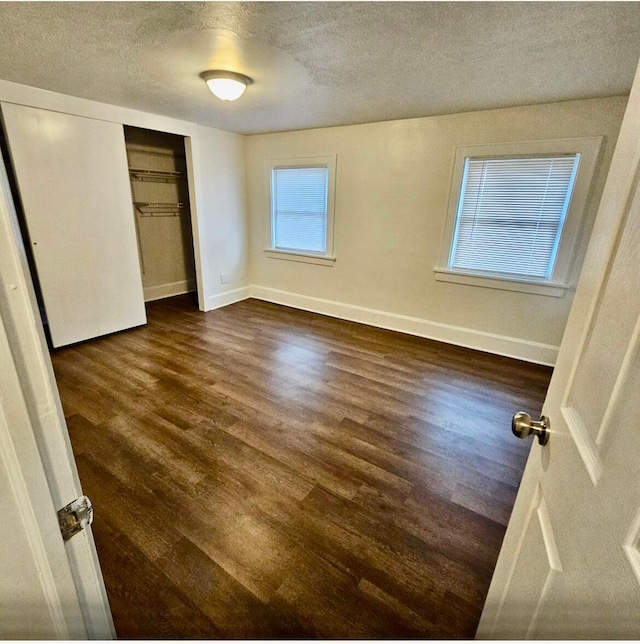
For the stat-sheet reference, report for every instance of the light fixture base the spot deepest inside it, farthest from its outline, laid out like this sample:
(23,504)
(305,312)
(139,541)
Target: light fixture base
(220,73)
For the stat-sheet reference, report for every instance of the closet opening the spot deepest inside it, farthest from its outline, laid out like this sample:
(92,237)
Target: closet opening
(162,214)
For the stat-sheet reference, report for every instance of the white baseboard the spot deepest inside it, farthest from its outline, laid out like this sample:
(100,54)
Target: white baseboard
(152,293)
(230,297)
(510,347)
(536,352)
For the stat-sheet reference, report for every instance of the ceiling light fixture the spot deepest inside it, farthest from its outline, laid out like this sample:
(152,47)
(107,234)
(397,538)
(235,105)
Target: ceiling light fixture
(227,86)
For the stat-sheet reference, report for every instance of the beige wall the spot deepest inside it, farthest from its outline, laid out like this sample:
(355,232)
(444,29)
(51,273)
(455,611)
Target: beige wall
(218,166)
(392,190)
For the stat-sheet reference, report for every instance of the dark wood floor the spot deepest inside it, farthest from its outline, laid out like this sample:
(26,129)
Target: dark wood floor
(261,472)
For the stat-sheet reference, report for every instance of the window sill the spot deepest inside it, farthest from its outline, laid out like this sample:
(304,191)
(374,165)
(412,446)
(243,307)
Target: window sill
(305,258)
(551,289)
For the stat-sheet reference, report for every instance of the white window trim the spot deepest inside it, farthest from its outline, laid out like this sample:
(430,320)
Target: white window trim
(561,280)
(553,289)
(322,259)
(296,256)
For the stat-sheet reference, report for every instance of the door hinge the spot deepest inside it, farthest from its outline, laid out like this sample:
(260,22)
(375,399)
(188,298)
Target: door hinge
(75,517)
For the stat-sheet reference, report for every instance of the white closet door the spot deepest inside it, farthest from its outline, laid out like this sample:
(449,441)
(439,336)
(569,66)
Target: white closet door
(73,181)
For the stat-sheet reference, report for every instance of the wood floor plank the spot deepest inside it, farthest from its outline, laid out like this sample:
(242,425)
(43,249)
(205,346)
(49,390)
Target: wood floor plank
(164,613)
(233,610)
(260,472)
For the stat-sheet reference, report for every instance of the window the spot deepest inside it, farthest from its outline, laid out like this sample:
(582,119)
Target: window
(299,208)
(511,213)
(301,219)
(516,214)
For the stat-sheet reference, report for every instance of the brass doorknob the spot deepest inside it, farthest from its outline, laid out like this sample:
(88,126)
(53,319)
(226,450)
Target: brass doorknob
(523,425)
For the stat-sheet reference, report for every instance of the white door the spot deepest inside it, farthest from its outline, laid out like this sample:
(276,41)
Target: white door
(38,598)
(48,588)
(570,561)
(74,185)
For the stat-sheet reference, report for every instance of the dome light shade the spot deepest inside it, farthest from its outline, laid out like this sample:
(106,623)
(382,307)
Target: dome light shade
(227,86)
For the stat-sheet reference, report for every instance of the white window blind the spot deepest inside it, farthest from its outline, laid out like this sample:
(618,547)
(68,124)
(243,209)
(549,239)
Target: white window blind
(511,213)
(299,208)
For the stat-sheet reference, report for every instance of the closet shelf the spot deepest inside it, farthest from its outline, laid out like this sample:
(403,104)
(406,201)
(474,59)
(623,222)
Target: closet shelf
(158,176)
(151,209)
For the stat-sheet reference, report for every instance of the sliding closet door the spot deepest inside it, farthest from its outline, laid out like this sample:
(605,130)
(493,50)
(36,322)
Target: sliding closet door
(73,181)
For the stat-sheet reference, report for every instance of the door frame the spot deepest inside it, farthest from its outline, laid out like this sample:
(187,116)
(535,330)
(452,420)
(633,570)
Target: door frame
(20,319)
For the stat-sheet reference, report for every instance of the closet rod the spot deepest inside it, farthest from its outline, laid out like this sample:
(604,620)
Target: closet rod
(164,176)
(153,209)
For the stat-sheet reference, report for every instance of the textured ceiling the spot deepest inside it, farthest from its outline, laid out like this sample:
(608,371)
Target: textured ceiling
(321,63)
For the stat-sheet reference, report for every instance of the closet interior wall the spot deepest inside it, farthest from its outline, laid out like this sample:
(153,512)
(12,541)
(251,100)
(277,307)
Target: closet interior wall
(159,189)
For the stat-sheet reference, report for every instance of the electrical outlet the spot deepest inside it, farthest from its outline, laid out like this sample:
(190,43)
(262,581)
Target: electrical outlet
(225,278)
